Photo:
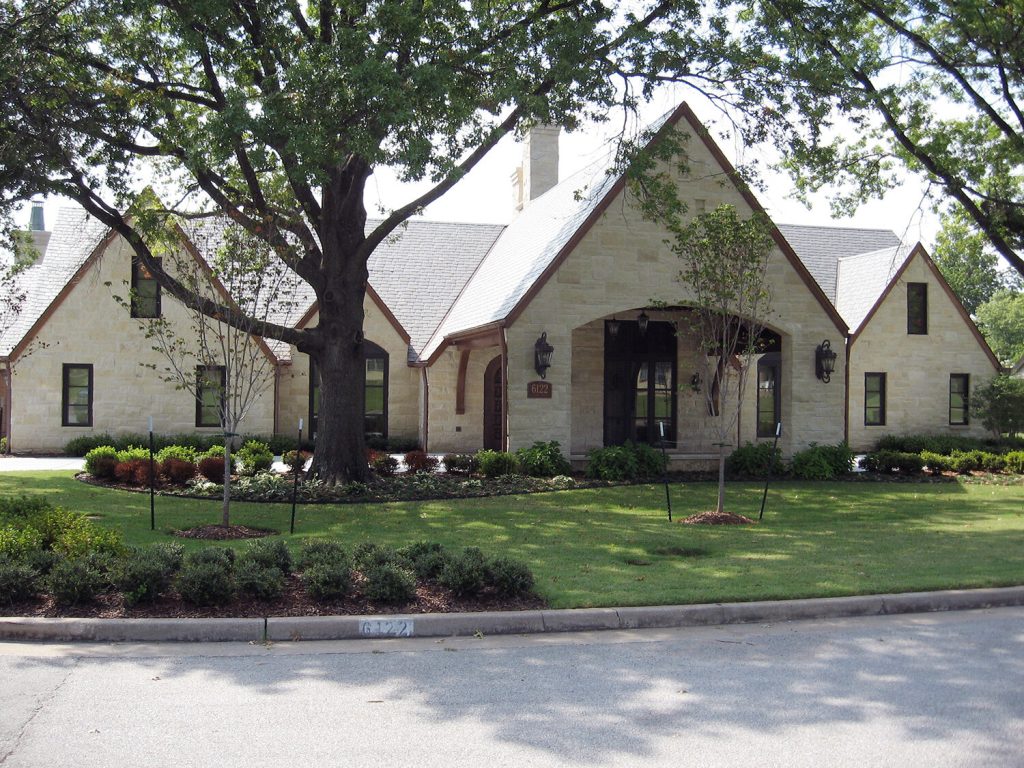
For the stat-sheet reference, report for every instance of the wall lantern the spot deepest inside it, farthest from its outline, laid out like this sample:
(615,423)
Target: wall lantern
(696,383)
(642,322)
(613,327)
(542,352)
(824,361)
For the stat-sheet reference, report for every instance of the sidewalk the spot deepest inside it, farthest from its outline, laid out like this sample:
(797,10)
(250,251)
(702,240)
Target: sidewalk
(40,463)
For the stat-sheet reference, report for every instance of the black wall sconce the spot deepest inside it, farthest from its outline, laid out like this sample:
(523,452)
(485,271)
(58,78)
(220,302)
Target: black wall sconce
(696,383)
(824,361)
(613,327)
(642,321)
(542,352)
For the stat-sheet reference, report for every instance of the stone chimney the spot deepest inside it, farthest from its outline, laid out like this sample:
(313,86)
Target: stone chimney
(539,171)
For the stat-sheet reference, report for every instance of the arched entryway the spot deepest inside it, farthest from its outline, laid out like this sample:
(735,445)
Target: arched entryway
(493,410)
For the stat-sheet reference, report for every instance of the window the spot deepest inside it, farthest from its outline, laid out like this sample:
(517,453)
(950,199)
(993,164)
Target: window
(209,395)
(917,308)
(768,395)
(145,291)
(375,407)
(640,383)
(959,397)
(76,395)
(874,399)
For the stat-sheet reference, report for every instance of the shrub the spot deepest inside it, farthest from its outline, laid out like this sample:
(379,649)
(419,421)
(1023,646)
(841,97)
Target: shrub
(460,463)
(543,460)
(268,553)
(1000,404)
(74,581)
(426,558)
(465,573)
(992,462)
(18,581)
(888,462)
(936,462)
(296,460)
(965,462)
(384,464)
(613,463)
(320,551)
(258,580)
(101,461)
(72,534)
(143,575)
(17,541)
(326,580)
(369,554)
(179,452)
(496,463)
(821,462)
(212,468)
(1014,462)
(650,461)
(255,457)
(132,453)
(80,446)
(389,583)
(392,444)
(205,577)
(40,560)
(754,460)
(510,578)
(418,461)
(21,508)
(178,471)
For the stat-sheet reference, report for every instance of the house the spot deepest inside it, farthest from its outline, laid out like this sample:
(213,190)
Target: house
(567,324)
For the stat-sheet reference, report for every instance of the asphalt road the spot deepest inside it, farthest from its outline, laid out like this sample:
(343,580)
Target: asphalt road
(925,690)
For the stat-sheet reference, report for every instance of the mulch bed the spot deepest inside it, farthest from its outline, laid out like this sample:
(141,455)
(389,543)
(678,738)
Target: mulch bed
(224,532)
(294,601)
(717,518)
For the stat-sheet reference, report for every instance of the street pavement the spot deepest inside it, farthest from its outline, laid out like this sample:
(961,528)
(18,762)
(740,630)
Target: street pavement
(920,690)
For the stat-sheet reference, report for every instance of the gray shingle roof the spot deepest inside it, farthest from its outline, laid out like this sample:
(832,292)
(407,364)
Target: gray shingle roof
(861,279)
(74,237)
(820,249)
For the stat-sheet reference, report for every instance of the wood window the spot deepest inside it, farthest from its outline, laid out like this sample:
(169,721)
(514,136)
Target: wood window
(640,383)
(375,405)
(76,395)
(874,399)
(959,398)
(917,308)
(210,386)
(769,398)
(145,291)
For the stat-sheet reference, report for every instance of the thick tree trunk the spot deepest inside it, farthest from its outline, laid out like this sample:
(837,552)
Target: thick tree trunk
(340,452)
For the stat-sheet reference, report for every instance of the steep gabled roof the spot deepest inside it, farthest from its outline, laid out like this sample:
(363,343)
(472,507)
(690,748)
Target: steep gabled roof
(862,278)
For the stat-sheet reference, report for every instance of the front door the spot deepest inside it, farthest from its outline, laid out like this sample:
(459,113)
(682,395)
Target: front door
(493,416)
(639,383)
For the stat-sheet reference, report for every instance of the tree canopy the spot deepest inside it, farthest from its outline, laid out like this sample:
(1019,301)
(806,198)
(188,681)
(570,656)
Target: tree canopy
(967,261)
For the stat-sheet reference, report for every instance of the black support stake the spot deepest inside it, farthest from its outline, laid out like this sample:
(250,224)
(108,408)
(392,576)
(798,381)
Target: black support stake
(295,469)
(771,463)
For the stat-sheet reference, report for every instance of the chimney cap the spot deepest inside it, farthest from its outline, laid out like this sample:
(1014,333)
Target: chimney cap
(37,221)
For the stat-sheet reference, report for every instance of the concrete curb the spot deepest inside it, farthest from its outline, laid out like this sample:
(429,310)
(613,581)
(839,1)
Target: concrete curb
(286,628)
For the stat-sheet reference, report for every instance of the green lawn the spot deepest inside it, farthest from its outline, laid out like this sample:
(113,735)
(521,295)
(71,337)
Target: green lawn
(614,546)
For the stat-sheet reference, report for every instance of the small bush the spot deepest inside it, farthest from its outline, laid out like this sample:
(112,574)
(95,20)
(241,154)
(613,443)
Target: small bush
(418,461)
(22,507)
(384,464)
(101,461)
(889,462)
(142,576)
(18,581)
(255,457)
(74,581)
(296,460)
(268,553)
(936,462)
(256,579)
(368,554)
(72,534)
(1014,462)
(965,462)
(510,578)
(212,468)
(821,462)
(426,558)
(179,452)
(650,461)
(320,551)
(614,463)
(543,460)
(992,462)
(465,574)
(17,541)
(327,580)
(460,463)
(178,471)
(205,577)
(389,583)
(754,460)
(497,463)
(80,446)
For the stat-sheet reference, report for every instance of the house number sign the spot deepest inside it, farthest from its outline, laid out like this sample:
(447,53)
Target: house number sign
(386,627)
(538,389)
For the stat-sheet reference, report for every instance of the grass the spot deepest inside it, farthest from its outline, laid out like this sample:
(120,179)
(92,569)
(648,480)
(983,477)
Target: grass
(614,546)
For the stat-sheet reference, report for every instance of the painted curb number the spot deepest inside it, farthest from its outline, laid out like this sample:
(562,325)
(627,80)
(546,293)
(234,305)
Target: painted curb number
(386,627)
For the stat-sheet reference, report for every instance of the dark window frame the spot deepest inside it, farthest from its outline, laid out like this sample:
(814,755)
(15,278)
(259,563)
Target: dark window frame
(771,361)
(371,351)
(201,371)
(64,392)
(965,378)
(881,378)
(917,321)
(137,266)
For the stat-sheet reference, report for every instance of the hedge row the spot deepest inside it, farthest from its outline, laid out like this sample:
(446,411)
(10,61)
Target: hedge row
(817,462)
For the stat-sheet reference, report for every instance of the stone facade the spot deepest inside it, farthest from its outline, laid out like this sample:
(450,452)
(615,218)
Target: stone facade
(917,367)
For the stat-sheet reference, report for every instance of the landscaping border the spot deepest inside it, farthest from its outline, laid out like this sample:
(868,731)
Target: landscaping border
(278,629)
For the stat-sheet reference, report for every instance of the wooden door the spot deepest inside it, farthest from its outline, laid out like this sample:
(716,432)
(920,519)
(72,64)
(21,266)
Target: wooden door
(493,406)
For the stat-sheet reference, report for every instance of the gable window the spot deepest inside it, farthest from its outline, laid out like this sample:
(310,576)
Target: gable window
(145,291)
(917,308)
(375,405)
(209,395)
(874,399)
(76,395)
(768,394)
(959,397)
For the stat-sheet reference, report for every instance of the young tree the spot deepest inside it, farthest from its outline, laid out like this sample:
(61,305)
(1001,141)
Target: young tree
(725,259)
(1000,405)
(224,368)
(277,112)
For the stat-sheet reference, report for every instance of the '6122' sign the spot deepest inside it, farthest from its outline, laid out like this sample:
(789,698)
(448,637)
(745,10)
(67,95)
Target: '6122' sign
(538,389)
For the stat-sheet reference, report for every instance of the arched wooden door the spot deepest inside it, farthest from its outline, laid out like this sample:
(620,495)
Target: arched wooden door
(493,392)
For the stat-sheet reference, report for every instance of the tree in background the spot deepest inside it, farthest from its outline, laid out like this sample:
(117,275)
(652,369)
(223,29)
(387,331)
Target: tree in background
(1001,320)
(1000,405)
(971,268)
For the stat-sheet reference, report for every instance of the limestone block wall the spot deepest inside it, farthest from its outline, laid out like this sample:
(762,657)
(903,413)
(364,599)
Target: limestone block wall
(403,381)
(451,432)
(90,327)
(917,367)
(622,264)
